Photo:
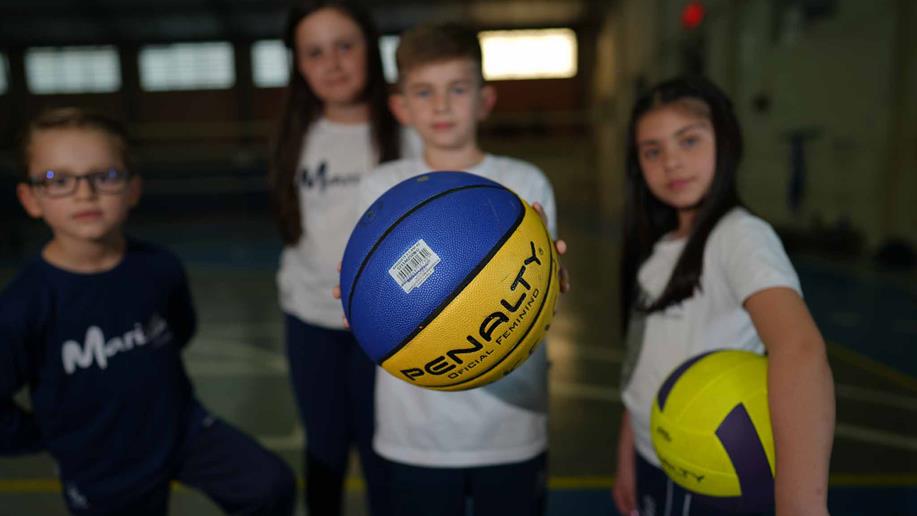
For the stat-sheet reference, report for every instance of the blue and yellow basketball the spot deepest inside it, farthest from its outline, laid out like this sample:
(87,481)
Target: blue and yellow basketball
(711,429)
(449,280)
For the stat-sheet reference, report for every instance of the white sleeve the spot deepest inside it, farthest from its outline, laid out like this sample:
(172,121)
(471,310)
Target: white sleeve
(411,144)
(753,258)
(541,191)
(550,207)
(371,187)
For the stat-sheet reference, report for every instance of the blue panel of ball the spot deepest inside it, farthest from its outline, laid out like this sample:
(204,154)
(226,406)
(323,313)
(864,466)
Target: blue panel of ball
(461,217)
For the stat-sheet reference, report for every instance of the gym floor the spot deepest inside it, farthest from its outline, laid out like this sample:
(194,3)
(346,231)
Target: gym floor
(868,316)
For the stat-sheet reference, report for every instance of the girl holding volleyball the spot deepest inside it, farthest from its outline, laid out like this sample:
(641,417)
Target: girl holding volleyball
(335,127)
(699,272)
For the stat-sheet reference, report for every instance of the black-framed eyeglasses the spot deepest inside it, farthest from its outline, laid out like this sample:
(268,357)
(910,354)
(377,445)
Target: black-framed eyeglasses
(62,184)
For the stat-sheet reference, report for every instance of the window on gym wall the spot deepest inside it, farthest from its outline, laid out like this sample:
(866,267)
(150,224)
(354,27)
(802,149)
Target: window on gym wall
(529,54)
(4,67)
(387,46)
(187,66)
(270,63)
(509,54)
(94,69)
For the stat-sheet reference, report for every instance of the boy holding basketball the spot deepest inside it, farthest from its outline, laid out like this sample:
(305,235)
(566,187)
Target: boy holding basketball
(486,446)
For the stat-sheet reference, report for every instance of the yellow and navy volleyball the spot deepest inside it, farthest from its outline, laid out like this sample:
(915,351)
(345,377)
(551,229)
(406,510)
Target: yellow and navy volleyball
(711,429)
(449,280)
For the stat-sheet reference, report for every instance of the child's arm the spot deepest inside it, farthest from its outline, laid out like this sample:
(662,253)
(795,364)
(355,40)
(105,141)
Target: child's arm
(182,317)
(801,398)
(19,432)
(624,490)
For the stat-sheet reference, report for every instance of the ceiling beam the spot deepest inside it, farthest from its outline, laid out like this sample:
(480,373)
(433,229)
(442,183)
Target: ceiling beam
(72,22)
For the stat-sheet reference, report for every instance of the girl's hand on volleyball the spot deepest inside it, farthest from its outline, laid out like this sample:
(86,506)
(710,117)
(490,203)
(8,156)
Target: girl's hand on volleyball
(561,247)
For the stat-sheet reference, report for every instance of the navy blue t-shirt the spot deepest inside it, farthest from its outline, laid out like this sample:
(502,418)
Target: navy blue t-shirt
(101,355)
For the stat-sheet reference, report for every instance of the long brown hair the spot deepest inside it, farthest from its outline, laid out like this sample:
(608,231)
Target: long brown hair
(303,107)
(646,219)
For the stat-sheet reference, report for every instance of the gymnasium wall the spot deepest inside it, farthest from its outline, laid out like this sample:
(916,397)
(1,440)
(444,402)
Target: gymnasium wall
(839,86)
(207,150)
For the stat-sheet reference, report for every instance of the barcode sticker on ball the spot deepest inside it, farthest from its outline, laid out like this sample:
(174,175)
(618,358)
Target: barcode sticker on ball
(414,266)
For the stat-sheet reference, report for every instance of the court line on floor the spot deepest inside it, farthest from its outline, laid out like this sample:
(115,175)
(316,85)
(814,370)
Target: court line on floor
(844,391)
(875,397)
(276,361)
(880,480)
(600,482)
(564,349)
(209,345)
(220,358)
(555,483)
(211,370)
(858,433)
(585,392)
(293,441)
(873,366)
(276,365)
(873,436)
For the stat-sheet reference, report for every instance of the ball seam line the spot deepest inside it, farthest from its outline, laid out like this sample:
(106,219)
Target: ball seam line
(461,286)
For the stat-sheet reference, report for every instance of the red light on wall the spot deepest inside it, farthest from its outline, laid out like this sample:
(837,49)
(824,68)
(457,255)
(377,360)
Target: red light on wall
(692,15)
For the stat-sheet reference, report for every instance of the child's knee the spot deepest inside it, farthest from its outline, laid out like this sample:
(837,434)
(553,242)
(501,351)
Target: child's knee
(283,486)
(276,491)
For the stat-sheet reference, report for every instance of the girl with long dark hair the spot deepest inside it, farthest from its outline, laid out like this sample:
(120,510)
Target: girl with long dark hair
(335,128)
(699,272)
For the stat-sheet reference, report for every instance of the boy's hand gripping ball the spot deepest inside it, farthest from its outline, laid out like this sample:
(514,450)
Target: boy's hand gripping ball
(449,280)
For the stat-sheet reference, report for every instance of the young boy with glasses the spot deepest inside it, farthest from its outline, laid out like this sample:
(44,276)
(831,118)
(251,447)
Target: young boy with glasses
(95,326)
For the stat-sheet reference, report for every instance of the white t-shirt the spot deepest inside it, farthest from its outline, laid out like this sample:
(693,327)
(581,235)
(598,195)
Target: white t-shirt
(743,255)
(500,423)
(335,157)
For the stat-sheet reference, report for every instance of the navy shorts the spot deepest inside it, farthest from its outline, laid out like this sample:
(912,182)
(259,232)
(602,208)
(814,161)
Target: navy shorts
(657,495)
(334,384)
(228,466)
(518,488)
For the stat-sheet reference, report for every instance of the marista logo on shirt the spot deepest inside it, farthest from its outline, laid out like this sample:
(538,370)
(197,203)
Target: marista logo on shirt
(97,349)
(321,180)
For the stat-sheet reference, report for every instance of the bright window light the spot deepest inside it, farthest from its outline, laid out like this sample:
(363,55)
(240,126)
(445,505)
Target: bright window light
(93,69)
(4,82)
(270,63)
(387,46)
(187,66)
(529,54)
